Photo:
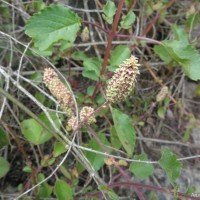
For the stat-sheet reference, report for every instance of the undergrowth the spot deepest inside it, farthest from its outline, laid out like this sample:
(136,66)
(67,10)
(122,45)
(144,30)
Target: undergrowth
(99,99)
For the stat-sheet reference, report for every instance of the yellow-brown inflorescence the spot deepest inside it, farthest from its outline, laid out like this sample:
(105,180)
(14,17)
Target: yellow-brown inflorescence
(59,91)
(72,123)
(123,81)
(86,115)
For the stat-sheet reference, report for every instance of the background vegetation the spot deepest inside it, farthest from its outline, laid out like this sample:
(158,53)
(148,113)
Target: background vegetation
(146,147)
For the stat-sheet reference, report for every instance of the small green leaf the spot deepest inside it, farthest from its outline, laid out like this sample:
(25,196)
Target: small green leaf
(128,20)
(109,11)
(141,170)
(45,189)
(170,164)
(96,160)
(27,169)
(40,97)
(79,55)
(63,190)
(34,132)
(100,99)
(120,54)
(53,24)
(161,112)
(112,195)
(4,167)
(193,20)
(3,138)
(47,161)
(59,148)
(190,189)
(90,90)
(92,67)
(125,130)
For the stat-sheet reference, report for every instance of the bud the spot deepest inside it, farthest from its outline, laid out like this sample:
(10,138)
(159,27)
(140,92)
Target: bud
(123,81)
(72,123)
(59,91)
(86,115)
(162,94)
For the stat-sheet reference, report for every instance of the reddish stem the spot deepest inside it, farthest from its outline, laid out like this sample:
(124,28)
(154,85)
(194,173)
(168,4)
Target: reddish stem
(150,187)
(110,38)
(98,26)
(149,27)
(140,195)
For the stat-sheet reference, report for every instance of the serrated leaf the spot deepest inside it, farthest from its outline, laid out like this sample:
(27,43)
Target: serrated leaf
(120,54)
(141,170)
(3,138)
(128,20)
(170,164)
(4,167)
(181,52)
(63,190)
(92,67)
(53,24)
(125,130)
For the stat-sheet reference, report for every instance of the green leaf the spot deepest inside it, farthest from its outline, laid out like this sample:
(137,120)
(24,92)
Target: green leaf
(163,54)
(109,11)
(125,130)
(192,20)
(141,170)
(181,52)
(4,167)
(90,90)
(27,169)
(170,164)
(92,67)
(161,112)
(3,138)
(190,189)
(63,190)
(112,195)
(96,160)
(45,189)
(180,34)
(79,55)
(53,24)
(120,54)
(114,138)
(59,148)
(35,133)
(40,97)
(128,20)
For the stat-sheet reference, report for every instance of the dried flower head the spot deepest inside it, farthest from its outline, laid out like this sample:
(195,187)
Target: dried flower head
(59,91)
(72,123)
(86,115)
(123,81)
